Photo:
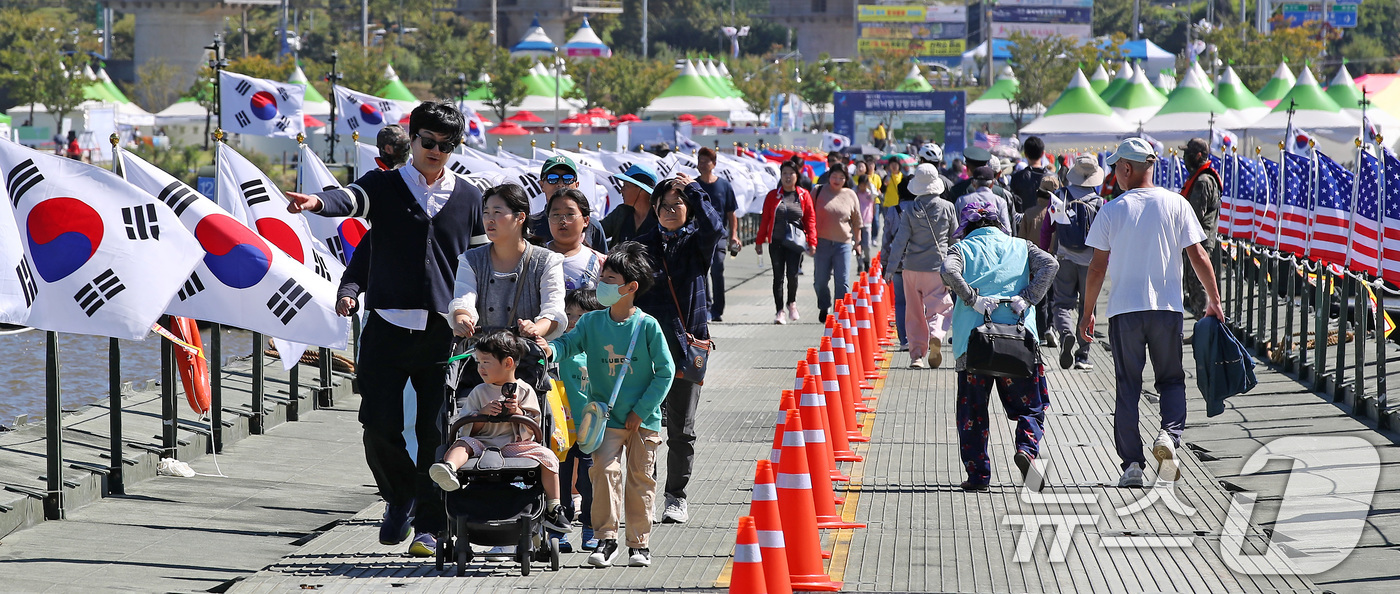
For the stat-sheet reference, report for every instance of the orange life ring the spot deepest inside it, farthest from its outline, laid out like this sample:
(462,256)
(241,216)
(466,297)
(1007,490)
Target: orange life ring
(194,371)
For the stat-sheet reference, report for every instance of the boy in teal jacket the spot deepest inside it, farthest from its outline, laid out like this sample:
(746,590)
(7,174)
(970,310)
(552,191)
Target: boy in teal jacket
(634,422)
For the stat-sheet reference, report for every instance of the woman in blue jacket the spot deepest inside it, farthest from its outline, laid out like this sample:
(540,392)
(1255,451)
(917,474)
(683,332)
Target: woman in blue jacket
(687,222)
(984,267)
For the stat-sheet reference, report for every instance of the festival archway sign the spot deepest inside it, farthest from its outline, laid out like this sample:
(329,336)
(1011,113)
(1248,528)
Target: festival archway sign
(953,104)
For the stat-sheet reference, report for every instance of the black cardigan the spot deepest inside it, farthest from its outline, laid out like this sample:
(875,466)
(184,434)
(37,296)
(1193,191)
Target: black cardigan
(405,236)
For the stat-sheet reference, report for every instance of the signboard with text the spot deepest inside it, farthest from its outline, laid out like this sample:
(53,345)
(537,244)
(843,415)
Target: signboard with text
(1340,13)
(937,32)
(953,104)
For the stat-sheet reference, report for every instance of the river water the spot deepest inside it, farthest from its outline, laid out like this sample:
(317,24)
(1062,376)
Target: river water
(83,367)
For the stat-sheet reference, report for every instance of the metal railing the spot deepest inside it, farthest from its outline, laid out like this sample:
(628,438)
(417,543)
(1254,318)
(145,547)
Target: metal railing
(54,506)
(1300,316)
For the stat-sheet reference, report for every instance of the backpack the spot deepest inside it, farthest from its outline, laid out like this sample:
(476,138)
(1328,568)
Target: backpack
(1081,216)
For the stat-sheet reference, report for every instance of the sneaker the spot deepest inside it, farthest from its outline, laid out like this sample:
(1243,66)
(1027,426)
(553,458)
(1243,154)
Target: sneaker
(1067,352)
(780,318)
(677,512)
(1029,475)
(974,487)
(445,476)
(1052,340)
(588,543)
(1165,453)
(935,353)
(1083,365)
(639,557)
(792,312)
(555,520)
(603,556)
(716,319)
(424,545)
(503,553)
(394,528)
(918,363)
(1132,477)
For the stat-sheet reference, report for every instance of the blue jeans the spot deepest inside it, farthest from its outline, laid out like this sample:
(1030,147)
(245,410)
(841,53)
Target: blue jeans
(1134,337)
(832,258)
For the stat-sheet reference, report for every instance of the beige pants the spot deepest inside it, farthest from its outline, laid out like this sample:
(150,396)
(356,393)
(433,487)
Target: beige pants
(607,474)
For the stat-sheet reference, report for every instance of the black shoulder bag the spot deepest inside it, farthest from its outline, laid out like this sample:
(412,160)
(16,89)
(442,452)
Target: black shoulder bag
(1002,350)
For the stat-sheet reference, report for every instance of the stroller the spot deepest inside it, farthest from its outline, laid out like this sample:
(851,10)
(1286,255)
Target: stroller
(502,500)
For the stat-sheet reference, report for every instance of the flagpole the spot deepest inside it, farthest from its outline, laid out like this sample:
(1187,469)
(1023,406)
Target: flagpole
(256,422)
(332,77)
(1355,190)
(1312,195)
(217,65)
(115,481)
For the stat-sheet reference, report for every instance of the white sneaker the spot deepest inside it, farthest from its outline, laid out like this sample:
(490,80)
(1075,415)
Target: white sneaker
(445,477)
(780,318)
(677,512)
(792,312)
(1132,477)
(1165,453)
(918,363)
(1083,365)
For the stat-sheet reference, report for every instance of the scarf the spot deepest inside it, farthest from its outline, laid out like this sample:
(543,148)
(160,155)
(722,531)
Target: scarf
(1204,168)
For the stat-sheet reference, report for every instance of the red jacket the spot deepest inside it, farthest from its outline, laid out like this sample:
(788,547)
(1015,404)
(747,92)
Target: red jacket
(809,217)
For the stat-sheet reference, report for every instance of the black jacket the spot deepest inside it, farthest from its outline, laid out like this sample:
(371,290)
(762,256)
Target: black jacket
(684,261)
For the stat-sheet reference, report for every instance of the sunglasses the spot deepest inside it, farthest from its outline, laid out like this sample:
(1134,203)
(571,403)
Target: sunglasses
(557,179)
(445,146)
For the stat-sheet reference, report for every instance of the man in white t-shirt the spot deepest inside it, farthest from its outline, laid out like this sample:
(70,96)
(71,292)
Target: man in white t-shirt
(1146,228)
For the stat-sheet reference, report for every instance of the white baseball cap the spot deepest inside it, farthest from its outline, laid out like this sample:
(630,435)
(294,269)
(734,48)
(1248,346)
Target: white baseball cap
(1134,149)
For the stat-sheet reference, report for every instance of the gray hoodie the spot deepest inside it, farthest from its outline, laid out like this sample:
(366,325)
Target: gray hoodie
(926,226)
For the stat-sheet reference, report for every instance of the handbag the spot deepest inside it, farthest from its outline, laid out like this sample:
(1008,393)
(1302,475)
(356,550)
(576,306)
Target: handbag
(793,238)
(561,435)
(695,352)
(1002,350)
(593,423)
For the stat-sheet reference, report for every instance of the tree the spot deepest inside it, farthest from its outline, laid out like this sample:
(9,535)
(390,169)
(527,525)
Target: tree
(1044,67)
(759,80)
(507,84)
(1258,55)
(202,91)
(257,66)
(622,83)
(885,69)
(820,81)
(449,47)
(156,85)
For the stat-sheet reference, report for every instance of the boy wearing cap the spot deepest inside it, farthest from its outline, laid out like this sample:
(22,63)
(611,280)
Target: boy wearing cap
(634,216)
(1147,228)
(561,173)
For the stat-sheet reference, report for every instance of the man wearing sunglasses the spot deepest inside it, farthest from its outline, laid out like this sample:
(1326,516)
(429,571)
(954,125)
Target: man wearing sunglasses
(561,173)
(420,213)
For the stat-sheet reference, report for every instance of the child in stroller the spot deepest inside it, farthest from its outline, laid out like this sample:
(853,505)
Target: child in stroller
(500,424)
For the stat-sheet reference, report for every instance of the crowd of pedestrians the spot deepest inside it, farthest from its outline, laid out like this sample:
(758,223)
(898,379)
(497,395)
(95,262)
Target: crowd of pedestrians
(1009,241)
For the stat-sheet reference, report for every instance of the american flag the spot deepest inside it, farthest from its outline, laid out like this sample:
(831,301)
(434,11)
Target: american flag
(1390,199)
(1244,197)
(1331,217)
(1365,241)
(1294,204)
(986,140)
(1265,182)
(1229,193)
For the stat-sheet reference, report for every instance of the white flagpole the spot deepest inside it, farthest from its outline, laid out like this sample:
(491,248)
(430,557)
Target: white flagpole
(1282,183)
(1316,183)
(1355,191)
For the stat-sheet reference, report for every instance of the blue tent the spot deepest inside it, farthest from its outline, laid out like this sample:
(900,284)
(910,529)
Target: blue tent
(535,42)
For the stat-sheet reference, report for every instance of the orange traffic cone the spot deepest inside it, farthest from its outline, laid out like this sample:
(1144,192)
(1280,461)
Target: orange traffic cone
(814,373)
(880,298)
(747,576)
(844,377)
(785,404)
(836,405)
(824,497)
(866,334)
(764,510)
(852,345)
(864,362)
(798,512)
(818,436)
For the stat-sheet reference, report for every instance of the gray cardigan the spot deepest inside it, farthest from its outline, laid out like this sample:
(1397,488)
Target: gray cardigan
(926,226)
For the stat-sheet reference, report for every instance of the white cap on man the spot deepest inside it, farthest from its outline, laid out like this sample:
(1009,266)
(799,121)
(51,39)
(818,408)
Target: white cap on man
(1134,149)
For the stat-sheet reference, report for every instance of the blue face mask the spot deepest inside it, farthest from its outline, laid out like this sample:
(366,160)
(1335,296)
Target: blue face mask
(609,294)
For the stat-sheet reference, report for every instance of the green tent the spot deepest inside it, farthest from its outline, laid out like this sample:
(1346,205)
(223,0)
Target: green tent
(1278,86)
(111,86)
(312,95)
(915,81)
(395,89)
(1099,81)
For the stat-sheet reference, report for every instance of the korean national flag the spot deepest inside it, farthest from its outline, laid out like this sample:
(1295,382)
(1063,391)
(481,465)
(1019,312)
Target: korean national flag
(364,113)
(260,107)
(339,235)
(241,280)
(87,252)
